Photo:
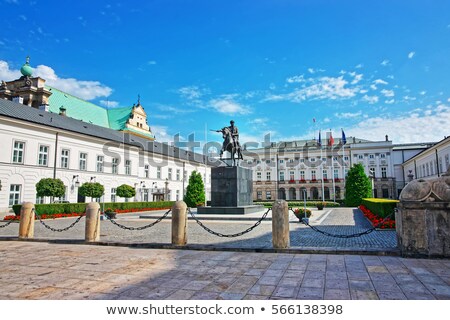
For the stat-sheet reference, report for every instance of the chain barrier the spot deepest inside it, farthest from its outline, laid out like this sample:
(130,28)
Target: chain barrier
(138,228)
(6,224)
(346,236)
(229,235)
(55,229)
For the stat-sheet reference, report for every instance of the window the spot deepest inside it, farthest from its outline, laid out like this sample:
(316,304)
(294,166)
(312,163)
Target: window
(113,194)
(128,167)
(268,176)
(432,167)
(325,174)
(146,171)
(360,156)
(169,174)
(83,161)
(259,195)
(302,160)
(447,162)
(313,159)
(291,160)
(158,173)
(43,156)
(18,151)
(345,158)
(65,158)
(428,169)
(336,173)
(335,158)
(302,175)
(383,172)
(281,161)
(371,156)
(268,161)
(313,174)
(440,164)
(281,175)
(178,174)
(258,176)
(100,163)
(115,165)
(268,195)
(177,195)
(145,194)
(291,175)
(382,156)
(324,159)
(14,194)
(371,172)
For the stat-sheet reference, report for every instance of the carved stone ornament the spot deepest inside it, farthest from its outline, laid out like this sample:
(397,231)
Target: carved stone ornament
(437,189)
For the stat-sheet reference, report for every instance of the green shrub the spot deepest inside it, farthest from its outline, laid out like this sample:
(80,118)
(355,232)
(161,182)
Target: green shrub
(380,207)
(195,191)
(91,189)
(357,186)
(125,191)
(48,187)
(55,208)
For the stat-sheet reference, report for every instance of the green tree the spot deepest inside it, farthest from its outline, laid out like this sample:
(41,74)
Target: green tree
(195,191)
(49,187)
(125,191)
(357,186)
(91,189)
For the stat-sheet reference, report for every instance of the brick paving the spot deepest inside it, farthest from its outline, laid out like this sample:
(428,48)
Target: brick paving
(42,270)
(334,221)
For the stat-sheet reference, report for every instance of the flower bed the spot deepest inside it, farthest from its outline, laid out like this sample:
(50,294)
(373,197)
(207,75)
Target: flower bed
(376,220)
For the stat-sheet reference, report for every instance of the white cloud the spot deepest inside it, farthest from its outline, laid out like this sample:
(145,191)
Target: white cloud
(259,121)
(359,66)
(408,98)
(357,78)
(174,110)
(387,93)
(373,87)
(411,55)
(151,62)
(296,79)
(87,90)
(385,62)
(390,101)
(161,133)
(379,81)
(348,115)
(109,103)
(422,93)
(417,127)
(191,92)
(228,106)
(390,77)
(370,99)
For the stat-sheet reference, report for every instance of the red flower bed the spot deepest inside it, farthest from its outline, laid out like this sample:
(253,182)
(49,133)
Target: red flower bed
(73,214)
(376,220)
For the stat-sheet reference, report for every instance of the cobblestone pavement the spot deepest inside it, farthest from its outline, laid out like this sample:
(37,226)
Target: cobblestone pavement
(338,221)
(41,270)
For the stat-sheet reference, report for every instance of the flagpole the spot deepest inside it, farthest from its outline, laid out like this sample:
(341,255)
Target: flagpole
(321,168)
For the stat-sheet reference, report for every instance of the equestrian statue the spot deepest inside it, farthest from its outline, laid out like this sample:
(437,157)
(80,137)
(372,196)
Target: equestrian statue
(231,144)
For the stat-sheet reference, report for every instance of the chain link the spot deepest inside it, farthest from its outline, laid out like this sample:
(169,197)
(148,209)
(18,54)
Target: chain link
(229,235)
(55,229)
(139,228)
(6,224)
(346,236)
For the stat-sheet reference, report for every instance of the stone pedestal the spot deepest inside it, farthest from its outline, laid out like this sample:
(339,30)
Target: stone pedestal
(423,228)
(92,228)
(179,223)
(26,226)
(231,192)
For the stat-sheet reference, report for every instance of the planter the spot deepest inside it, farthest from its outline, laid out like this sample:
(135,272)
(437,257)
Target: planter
(111,215)
(300,214)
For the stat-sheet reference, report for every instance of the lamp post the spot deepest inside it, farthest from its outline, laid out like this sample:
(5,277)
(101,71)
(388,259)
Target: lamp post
(142,190)
(166,191)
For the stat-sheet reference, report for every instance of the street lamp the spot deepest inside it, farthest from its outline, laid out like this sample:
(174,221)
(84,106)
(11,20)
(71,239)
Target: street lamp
(76,183)
(142,190)
(93,178)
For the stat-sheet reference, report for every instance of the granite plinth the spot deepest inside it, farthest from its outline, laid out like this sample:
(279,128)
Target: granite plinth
(231,187)
(230,210)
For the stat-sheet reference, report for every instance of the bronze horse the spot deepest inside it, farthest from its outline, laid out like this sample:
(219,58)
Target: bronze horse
(233,147)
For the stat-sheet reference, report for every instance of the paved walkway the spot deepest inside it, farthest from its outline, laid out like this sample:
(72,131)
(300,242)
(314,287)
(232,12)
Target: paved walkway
(338,221)
(40,270)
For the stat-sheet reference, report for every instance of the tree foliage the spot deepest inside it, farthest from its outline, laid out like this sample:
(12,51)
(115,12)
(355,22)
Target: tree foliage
(49,187)
(195,191)
(91,189)
(125,191)
(357,186)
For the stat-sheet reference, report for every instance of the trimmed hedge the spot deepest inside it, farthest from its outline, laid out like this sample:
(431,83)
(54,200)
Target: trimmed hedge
(380,207)
(300,203)
(55,208)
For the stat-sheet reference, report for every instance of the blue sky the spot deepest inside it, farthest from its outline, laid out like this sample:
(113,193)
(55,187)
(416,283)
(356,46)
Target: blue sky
(370,67)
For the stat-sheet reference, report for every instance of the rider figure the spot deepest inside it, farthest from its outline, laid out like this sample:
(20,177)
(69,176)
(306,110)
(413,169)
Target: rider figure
(234,133)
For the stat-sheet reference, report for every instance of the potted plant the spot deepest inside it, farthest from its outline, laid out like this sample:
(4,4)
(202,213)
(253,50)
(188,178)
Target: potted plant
(320,205)
(300,213)
(110,213)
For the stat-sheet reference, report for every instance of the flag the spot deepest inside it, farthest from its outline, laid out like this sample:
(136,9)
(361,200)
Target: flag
(343,139)
(331,141)
(319,142)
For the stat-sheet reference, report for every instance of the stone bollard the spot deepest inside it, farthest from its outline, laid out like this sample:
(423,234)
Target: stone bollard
(92,228)
(26,226)
(280,224)
(179,223)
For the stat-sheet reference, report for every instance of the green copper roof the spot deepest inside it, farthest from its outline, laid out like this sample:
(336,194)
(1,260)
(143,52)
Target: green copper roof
(118,117)
(26,69)
(77,108)
(150,135)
